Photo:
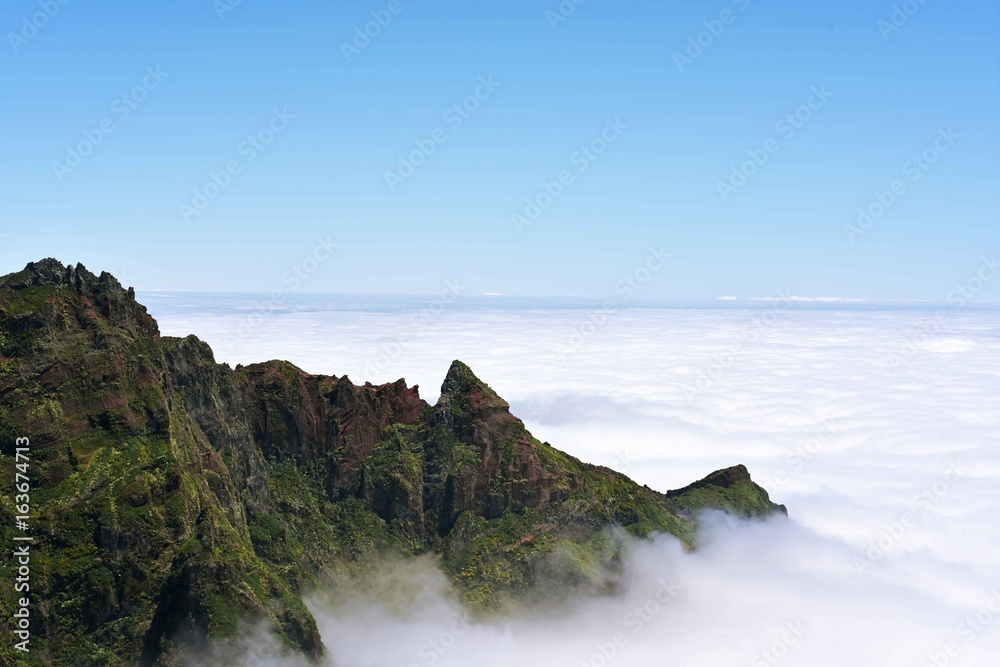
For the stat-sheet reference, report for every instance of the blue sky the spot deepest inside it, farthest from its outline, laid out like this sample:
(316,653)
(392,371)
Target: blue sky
(318,172)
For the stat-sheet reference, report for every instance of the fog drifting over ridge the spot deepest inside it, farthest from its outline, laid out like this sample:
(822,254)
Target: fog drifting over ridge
(876,426)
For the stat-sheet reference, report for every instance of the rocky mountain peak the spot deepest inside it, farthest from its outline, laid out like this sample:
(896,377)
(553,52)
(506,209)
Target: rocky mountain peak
(732,484)
(47,278)
(52,272)
(180,496)
(462,386)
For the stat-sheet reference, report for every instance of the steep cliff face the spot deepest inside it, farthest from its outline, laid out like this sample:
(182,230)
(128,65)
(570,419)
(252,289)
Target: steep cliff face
(323,421)
(140,538)
(175,497)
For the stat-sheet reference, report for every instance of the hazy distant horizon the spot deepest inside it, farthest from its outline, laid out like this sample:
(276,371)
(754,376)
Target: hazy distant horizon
(520,300)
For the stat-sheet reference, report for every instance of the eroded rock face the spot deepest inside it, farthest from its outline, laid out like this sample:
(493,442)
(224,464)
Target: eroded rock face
(177,496)
(323,420)
(510,469)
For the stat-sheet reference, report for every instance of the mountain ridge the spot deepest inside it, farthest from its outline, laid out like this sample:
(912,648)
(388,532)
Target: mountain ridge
(177,497)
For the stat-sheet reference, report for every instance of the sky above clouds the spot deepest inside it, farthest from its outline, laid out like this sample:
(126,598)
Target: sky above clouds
(215,146)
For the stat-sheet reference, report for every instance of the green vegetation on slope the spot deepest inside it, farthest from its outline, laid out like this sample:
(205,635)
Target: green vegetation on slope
(174,498)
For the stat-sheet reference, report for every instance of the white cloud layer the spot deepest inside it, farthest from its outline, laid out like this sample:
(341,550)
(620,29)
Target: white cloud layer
(877,430)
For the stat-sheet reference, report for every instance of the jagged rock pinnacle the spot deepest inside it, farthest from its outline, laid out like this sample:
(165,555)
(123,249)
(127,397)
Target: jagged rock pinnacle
(460,382)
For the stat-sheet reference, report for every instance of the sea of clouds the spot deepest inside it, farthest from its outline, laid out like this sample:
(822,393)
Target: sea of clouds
(876,424)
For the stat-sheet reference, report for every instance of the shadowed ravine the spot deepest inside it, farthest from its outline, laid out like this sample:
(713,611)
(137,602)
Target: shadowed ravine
(175,498)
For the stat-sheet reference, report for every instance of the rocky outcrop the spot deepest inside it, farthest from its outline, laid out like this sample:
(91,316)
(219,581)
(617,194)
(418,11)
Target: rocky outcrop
(176,497)
(323,420)
(730,489)
(491,463)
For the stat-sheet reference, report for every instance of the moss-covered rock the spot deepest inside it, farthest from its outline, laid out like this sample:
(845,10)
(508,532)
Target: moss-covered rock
(175,498)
